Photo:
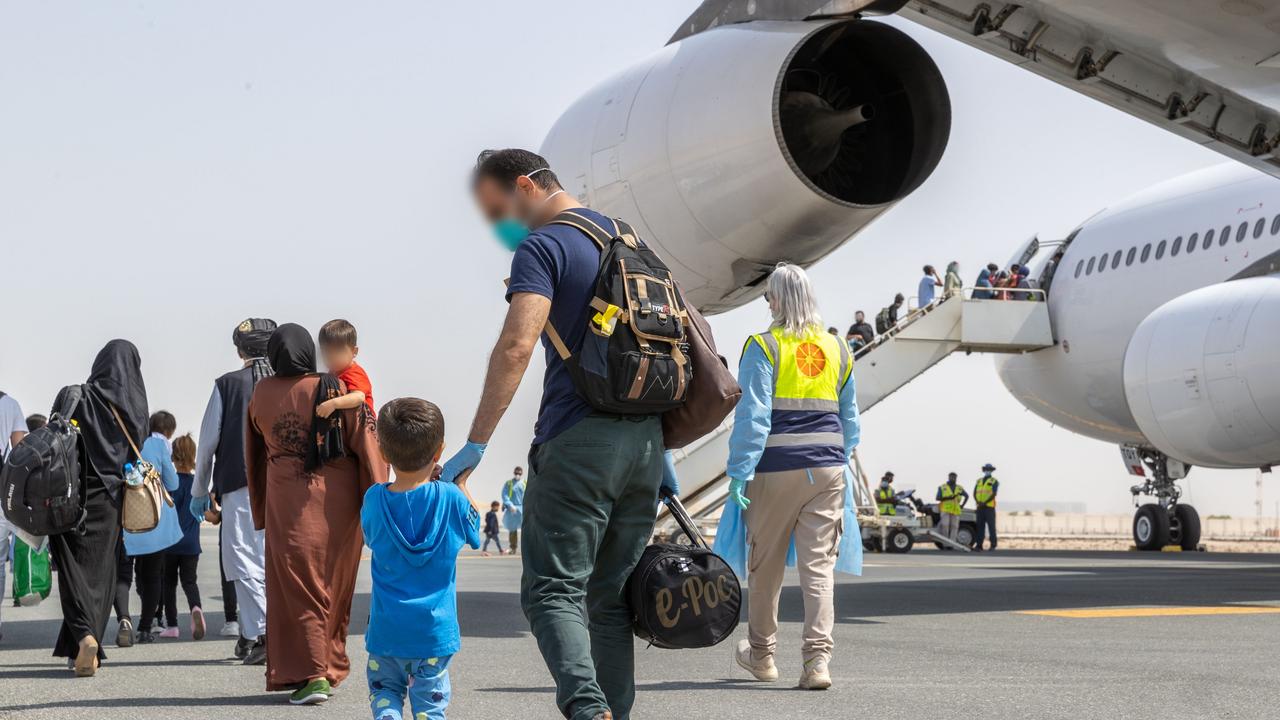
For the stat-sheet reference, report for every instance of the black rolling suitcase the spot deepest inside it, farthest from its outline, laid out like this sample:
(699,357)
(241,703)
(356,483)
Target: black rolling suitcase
(683,596)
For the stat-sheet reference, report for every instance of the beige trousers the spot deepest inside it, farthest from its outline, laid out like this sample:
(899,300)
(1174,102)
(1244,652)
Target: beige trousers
(948,525)
(810,505)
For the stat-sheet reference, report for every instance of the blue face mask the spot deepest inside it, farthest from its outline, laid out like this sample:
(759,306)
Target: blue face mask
(510,230)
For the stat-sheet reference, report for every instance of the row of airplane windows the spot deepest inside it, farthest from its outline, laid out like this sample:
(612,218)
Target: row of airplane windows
(1099,263)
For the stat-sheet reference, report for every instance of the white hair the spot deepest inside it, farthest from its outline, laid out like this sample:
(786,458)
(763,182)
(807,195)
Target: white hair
(791,301)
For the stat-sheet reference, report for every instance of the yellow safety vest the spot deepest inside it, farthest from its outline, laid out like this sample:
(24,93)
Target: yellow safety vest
(984,492)
(950,503)
(808,373)
(884,498)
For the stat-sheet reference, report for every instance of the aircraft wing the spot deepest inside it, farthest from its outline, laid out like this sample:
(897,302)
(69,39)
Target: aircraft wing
(1208,70)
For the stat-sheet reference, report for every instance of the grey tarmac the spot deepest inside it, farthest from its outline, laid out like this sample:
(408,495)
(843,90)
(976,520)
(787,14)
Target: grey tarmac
(925,635)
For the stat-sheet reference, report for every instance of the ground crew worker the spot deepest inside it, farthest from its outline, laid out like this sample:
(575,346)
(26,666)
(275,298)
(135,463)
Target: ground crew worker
(885,495)
(951,497)
(984,496)
(794,431)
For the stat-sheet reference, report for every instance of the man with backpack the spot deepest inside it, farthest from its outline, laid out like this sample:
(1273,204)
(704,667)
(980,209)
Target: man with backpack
(593,474)
(13,427)
(888,317)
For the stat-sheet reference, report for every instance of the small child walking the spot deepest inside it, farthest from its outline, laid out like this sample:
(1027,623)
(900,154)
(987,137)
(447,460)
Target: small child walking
(183,558)
(415,527)
(491,531)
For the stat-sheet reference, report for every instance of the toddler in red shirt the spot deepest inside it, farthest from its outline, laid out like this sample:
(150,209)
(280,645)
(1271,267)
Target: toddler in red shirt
(339,349)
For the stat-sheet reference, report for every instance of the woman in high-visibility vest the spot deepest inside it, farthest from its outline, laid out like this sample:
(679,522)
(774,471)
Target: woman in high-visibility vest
(791,492)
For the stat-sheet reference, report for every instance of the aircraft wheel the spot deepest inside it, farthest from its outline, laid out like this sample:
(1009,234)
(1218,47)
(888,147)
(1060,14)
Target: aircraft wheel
(1188,521)
(900,541)
(1150,527)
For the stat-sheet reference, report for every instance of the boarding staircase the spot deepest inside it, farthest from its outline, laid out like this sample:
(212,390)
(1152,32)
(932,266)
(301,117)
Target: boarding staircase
(919,341)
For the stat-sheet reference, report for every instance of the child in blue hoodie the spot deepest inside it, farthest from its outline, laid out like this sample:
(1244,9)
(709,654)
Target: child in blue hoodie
(415,527)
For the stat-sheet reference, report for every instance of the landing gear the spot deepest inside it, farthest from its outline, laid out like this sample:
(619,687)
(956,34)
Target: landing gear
(1166,521)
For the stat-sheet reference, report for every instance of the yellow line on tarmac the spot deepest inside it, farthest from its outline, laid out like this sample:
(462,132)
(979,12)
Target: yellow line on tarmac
(1170,611)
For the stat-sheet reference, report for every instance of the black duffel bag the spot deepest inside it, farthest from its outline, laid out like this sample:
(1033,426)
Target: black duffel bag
(683,596)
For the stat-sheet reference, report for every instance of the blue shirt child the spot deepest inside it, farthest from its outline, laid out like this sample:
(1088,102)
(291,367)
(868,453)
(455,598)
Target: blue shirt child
(415,537)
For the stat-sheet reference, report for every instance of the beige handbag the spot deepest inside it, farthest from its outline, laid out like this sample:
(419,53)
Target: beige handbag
(142,503)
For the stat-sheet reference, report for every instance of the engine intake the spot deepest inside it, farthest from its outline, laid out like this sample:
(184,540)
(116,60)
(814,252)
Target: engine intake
(753,143)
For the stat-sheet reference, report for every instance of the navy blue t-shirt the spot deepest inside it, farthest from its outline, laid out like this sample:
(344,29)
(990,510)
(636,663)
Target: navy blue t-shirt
(560,263)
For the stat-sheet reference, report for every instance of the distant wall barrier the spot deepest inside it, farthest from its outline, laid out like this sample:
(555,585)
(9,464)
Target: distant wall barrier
(1099,525)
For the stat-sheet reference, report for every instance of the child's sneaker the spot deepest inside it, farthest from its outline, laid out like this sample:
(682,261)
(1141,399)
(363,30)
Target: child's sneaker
(314,692)
(197,624)
(169,633)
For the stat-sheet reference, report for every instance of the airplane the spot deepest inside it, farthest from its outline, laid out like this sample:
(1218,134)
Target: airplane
(771,130)
(1165,310)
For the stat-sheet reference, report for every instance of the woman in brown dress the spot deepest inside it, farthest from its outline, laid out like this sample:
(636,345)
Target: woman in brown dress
(307,476)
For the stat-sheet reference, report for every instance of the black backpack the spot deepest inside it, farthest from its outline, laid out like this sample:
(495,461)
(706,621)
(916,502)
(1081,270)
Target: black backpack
(634,358)
(41,488)
(683,597)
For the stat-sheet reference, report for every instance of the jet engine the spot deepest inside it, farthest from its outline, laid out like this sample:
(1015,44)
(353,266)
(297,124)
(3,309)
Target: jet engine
(753,143)
(1200,375)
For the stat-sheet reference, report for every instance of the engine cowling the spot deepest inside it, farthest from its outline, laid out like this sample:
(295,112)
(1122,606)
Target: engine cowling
(749,144)
(1201,375)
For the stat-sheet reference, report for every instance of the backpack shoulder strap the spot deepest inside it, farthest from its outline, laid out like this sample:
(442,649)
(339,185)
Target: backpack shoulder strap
(586,226)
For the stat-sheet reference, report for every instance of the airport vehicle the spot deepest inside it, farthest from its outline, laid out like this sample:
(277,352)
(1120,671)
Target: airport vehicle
(913,522)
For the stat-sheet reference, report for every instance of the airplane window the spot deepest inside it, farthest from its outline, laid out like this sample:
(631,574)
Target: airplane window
(1079,267)
(1258,228)
(1244,228)
(1275,225)
(1102,262)
(1129,258)
(1177,244)
(1146,252)
(1089,270)
(1160,249)
(1222,239)
(1115,260)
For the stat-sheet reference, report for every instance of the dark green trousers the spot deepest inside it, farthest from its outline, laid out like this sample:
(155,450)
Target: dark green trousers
(588,514)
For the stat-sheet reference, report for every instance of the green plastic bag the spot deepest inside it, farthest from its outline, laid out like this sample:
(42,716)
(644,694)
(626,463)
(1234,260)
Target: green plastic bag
(32,580)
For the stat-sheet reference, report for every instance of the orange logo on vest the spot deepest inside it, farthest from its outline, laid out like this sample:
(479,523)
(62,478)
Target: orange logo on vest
(810,359)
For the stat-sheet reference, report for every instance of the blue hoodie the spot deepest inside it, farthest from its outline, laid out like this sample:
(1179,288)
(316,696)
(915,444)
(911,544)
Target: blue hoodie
(415,537)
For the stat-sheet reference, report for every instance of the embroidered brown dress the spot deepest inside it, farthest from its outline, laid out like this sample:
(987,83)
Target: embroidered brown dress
(312,524)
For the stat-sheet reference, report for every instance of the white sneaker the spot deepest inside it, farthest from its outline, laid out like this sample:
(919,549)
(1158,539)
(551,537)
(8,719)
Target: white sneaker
(230,629)
(815,675)
(762,670)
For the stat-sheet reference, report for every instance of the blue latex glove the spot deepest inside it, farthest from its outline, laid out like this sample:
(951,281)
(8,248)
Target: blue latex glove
(198,507)
(669,478)
(465,459)
(737,488)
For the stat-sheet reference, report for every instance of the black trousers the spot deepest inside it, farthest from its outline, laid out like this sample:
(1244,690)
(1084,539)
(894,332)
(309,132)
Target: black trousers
(86,567)
(986,521)
(124,581)
(149,576)
(179,567)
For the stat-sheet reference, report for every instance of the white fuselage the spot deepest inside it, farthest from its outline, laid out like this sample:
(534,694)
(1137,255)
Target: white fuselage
(1080,382)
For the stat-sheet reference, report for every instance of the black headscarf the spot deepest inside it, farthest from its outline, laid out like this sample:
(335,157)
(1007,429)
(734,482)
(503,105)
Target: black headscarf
(251,338)
(115,381)
(292,353)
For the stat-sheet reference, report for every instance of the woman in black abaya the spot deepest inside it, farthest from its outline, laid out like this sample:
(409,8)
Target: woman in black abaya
(86,556)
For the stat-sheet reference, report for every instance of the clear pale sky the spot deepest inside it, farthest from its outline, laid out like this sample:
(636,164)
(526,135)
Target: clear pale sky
(167,169)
